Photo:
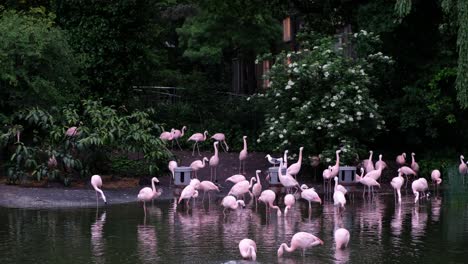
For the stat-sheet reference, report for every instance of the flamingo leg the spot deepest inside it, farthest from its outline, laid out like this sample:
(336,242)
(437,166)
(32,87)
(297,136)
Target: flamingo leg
(198,149)
(216,177)
(227,148)
(177,141)
(193,151)
(211,173)
(144,208)
(172,144)
(240,164)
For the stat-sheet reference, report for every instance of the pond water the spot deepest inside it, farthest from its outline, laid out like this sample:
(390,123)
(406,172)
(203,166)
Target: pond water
(432,232)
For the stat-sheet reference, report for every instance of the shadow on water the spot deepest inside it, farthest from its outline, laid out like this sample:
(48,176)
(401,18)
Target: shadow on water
(435,230)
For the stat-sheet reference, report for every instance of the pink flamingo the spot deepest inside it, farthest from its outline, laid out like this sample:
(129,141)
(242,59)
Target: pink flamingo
(327,176)
(336,169)
(187,193)
(207,186)
(339,187)
(405,170)
(419,185)
(96,182)
(285,158)
(268,197)
(167,135)
(396,183)
(220,137)
(310,195)
(197,165)
(375,174)
(339,198)
(241,188)
(72,131)
(257,187)
(436,180)
(243,155)
(369,182)
(289,201)
(230,202)
(369,164)
(380,163)
(462,168)
(414,164)
(248,249)
(197,137)
(296,167)
(236,178)
(302,240)
(214,161)
(401,159)
(147,194)
(341,238)
(176,134)
(171,166)
(287,180)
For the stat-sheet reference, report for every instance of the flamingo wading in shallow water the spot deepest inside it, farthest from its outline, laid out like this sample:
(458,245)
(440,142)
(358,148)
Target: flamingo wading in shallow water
(171,166)
(436,180)
(230,202)
(214,161)
(302,240)
(401,159)
(147,194)
(462,168)
(341,238)
(396,183)
(197,137)
(221,138)
(248,249)
(289,201)
(96,182)
(243,155)
(296,167)
(268,197)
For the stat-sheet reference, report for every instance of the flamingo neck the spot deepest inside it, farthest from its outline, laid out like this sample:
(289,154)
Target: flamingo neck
(251,182)
(237,204)
(337,159)
(252,253)
(101,192)
(370,156)
(288,249)
(153,187)
(275,207)
(245,144)
(216,150)
(416,193)
(203,163)
(300,158)
(182,131)
(258,178)
(412,158)
(336,184)
(461,160)
(204,135)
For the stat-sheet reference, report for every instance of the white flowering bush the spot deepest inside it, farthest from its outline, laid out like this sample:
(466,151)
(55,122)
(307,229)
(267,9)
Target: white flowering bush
(321,99)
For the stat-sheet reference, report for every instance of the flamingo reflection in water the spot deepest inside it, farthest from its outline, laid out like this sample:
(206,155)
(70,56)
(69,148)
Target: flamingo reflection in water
(435,209)
(147,243)
(97,242)
(418,223)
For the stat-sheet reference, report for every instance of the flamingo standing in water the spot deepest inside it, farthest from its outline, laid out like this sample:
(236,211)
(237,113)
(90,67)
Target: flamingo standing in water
(339,199)
(369,182)
(375,174)
(147,194)
(310,195)
(401,159)
(289,201)
(236,178)
(462,168)
(187,193)
(257,187)
(221,137)
(230,202)
(380,163)
(243,155)
(96,182)
(405,170)
(268,197)
(214,161)
(369,164)
(339,187)
(302,240)
(207,186)
(436,180)
(419,185)
(176,134)
(294,169)
(248,249)
(241,188)
(287,180)
(341,238)
(327,176)
(197,165)
(396,183)
(171,166)
(197,137)
(414,164)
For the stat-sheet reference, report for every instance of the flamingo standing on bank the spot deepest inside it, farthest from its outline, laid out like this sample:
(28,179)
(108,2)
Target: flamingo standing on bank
(243,155)
(396,183)
(169,136)
(176,134)
(369,164)
(221,137)
(71,132)
(197,165)
(302,240)
(236,178)
(401,159)
(380,163)
(405,170)
(230,202)
(187,193)
(171,166)
(462,168)
(341,238)
(257,187)
(214,161)
(248,249)
(419,185)
(310,195)
(294,169)
(436,180)
(289,201)
(414,164)
(207,186)
(147,194)
(96,182)
(197,137)
(241,188)
(268,197)
(287,180)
